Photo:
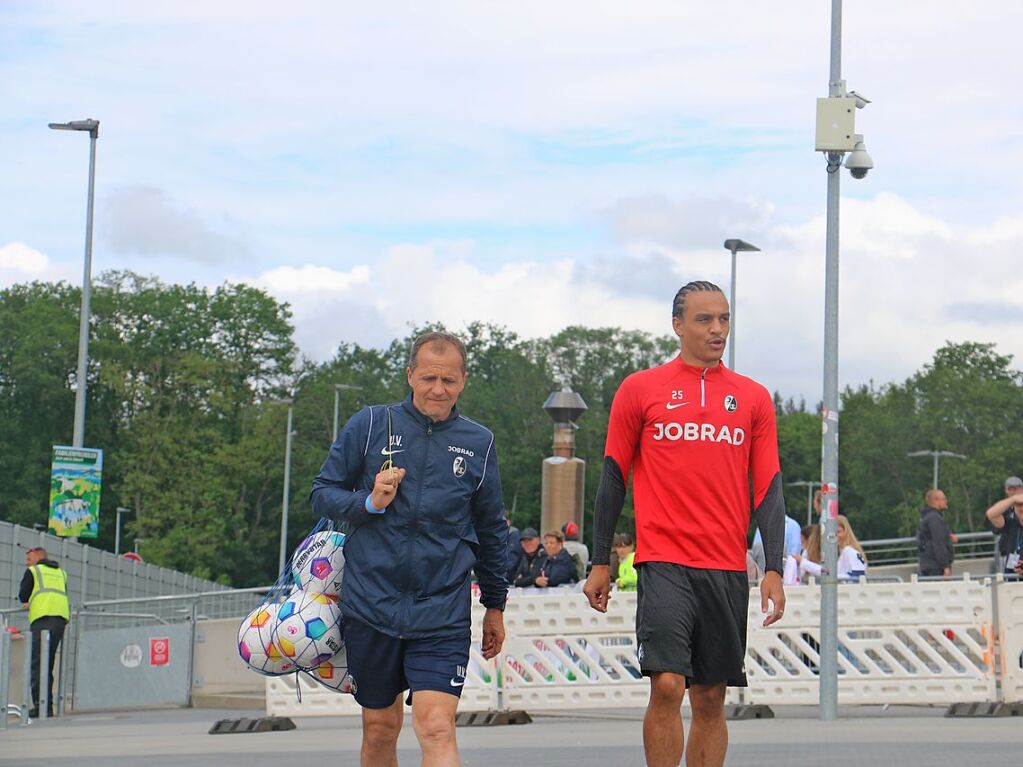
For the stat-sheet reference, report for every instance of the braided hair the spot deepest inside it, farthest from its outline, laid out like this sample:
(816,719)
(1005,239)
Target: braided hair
(678,306)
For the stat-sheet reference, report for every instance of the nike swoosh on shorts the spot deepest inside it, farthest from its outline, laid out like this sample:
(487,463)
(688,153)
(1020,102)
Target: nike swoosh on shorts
(673,405)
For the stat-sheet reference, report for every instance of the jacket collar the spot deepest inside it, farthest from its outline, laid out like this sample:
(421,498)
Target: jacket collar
(698,371)
(426,420)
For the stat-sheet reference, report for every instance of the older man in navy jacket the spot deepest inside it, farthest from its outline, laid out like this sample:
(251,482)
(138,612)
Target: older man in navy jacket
(417,486)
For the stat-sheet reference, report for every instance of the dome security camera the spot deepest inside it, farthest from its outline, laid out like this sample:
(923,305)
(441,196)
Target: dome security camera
(859,162)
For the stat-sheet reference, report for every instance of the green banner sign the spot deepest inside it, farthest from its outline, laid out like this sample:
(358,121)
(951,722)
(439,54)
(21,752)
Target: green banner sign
(76,478)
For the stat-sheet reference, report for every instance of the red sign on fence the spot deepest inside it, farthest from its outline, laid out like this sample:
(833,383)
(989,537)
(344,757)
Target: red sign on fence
(159,652)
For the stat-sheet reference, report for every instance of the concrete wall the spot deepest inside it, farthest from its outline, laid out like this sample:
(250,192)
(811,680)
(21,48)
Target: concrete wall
(217,667)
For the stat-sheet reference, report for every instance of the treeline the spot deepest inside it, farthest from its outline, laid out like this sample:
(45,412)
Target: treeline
(184,389)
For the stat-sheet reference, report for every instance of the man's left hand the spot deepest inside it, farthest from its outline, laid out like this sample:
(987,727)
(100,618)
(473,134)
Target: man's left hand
(771,590)
(493,632)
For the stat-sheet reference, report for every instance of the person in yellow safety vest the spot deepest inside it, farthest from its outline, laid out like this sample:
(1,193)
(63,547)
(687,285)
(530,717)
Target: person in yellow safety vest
(625,548)
(44,592)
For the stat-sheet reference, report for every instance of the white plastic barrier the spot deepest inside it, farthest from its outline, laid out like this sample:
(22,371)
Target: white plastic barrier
(927,642)
(1010,621)
(555,646)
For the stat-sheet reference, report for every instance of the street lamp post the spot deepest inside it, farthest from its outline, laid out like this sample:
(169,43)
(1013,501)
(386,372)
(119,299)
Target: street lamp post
(290,402)
(734,246)
(117,536)
(338,388)
(92,127)
(938,455)
(809,496)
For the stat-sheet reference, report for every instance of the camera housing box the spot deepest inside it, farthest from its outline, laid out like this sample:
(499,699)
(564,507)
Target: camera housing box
(836,125)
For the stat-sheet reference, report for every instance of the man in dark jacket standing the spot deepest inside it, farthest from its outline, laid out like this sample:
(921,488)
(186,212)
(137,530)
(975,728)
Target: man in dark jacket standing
(43,591)
(934,538)
(417,485)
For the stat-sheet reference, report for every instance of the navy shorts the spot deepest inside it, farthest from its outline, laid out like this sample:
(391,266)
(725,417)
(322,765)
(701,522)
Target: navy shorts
(692,622)
(383,666)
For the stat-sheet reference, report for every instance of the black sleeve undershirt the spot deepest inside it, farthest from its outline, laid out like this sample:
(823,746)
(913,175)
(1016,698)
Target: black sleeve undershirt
(607,510)
(771,521)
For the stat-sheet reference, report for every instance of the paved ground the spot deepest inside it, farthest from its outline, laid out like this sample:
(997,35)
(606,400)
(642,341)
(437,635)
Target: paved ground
(862,737)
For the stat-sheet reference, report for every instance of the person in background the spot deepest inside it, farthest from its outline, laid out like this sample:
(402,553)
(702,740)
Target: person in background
(934,539)
(559,568)
(533,557)
(852,562)
(794,569)
(514,551)
(1005,516)
(43,591)
(580,553)
(792,542)
(625,548)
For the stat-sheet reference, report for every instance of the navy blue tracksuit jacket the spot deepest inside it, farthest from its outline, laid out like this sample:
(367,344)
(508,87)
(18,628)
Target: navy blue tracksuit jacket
(408,570)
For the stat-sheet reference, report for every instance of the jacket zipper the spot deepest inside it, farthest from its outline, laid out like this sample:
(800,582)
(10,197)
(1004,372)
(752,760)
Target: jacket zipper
(703,391)
(414,533)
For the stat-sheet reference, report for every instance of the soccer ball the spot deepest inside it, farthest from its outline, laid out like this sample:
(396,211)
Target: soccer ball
(333,673)
(318,563)
(255,645)
(308,630)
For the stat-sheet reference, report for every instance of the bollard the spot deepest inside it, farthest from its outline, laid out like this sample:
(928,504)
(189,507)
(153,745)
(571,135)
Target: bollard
(5,671)
(44,673)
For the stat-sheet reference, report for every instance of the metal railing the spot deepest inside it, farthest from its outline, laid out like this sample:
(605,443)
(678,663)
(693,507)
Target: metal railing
(93,574)
(903,551)
(114,613)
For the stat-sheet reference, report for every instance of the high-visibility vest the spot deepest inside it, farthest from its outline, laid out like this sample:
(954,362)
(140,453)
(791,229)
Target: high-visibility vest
(49,594)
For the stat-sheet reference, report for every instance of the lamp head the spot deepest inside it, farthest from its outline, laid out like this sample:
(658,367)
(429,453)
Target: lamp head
(90,126)
(736,246)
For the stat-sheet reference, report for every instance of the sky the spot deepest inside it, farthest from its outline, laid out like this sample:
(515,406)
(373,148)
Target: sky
(535,165)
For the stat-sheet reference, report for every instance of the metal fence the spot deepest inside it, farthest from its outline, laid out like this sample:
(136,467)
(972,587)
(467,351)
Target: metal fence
(901,551)
(93,574)
(169,615)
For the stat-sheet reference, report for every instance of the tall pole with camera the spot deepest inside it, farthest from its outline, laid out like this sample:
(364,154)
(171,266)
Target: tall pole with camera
(835,136)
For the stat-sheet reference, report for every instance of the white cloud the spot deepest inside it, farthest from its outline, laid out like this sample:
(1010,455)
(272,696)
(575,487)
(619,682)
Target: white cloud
(310,279)
(18,258)
(908,285)
(21,263)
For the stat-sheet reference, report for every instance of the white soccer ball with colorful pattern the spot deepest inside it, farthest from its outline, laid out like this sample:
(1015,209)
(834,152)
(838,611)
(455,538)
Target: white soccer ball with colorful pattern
(318,563)
(255,642)
(333,673)
(308,630)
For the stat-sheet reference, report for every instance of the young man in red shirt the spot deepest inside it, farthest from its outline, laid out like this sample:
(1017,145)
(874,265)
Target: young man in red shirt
(692,433)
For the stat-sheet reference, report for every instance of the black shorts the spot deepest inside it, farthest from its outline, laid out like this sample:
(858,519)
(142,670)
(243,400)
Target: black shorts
(692,622)
(382,666)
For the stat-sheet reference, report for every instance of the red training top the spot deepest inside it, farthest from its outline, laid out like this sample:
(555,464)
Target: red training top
(692,435)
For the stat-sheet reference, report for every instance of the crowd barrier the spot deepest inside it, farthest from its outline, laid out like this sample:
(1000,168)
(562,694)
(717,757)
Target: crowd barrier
(919,642)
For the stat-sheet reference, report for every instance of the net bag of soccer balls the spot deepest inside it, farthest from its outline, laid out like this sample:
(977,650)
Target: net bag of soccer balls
(297,627)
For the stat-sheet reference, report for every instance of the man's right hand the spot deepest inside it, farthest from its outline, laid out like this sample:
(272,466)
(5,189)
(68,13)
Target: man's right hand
(385,487)
(598,587)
